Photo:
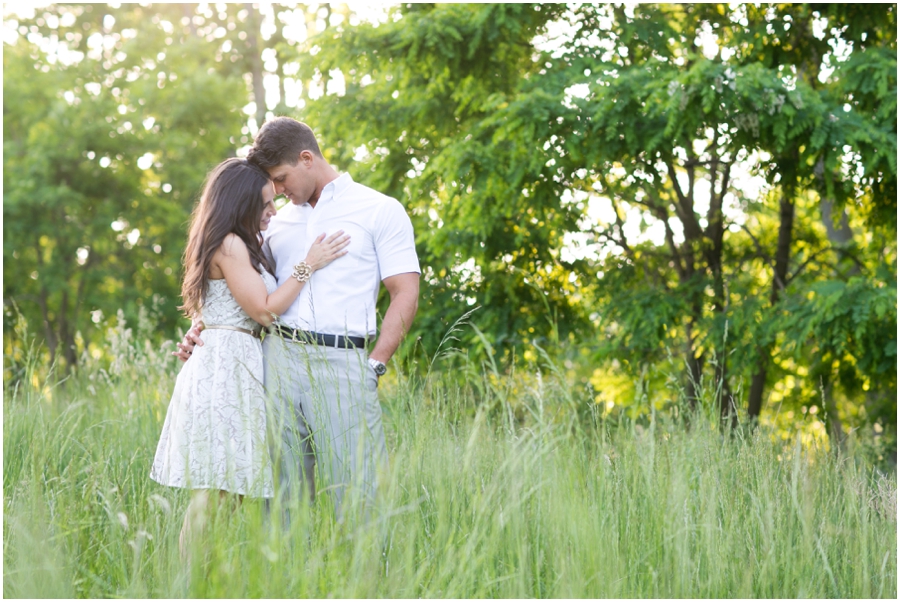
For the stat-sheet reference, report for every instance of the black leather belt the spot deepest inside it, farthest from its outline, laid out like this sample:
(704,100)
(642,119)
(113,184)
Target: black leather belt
(317,338)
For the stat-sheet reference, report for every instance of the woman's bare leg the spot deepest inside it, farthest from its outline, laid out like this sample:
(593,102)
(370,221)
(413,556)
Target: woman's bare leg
(195,517)
(194,520)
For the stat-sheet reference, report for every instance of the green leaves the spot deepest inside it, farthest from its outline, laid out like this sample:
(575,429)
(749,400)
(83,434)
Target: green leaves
(851,321)
(509,132)
(613,176)
(103,157)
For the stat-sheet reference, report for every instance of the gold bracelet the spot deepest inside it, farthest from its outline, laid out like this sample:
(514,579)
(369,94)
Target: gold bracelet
(302,272)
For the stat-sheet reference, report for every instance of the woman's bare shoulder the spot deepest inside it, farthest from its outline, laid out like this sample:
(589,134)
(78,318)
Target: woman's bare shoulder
(232,252)
(232,245)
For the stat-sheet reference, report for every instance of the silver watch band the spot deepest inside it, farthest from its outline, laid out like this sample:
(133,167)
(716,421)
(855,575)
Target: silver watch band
(377,367)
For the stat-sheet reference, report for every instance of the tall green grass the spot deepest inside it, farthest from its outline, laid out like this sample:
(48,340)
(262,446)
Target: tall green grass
(507,497)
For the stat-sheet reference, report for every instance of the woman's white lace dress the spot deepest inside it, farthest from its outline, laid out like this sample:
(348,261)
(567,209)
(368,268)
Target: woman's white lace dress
(214,436)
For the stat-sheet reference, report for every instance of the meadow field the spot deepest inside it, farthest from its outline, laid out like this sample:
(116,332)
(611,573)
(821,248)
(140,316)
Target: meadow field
(663,214)
(489,494)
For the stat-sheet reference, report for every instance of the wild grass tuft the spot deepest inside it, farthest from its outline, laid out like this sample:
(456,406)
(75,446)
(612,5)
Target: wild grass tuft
(488,495)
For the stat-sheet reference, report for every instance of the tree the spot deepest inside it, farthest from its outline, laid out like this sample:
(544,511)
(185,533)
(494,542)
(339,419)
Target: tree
(505,140)
(817,160)
(429,84)
(713,181)
(103,156)
(115,114)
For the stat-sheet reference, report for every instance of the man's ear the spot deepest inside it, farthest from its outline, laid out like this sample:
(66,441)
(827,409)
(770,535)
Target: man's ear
(305,157)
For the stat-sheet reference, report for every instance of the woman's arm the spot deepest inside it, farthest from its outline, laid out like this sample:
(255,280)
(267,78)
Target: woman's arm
(249,290)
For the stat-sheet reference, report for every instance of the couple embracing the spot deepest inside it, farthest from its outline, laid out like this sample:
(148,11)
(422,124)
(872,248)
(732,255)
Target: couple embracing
(254,418)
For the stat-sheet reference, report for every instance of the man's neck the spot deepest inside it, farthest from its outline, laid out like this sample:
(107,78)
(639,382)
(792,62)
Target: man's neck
(330,176)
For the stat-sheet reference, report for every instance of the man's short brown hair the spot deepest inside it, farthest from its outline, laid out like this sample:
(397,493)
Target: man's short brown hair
(280,141)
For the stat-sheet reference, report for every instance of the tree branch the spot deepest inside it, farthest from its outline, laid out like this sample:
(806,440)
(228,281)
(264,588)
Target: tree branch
(684,208)
(658,209)
(763,255)
(806,263)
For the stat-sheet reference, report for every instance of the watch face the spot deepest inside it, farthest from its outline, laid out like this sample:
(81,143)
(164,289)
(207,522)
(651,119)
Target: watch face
(378,367)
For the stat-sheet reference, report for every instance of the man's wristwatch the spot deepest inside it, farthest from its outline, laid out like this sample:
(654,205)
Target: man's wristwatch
(377,366)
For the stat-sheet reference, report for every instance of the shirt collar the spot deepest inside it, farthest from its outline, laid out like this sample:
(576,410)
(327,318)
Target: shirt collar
(335,188)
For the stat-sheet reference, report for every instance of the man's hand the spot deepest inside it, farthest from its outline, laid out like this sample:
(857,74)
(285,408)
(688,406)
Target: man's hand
(186,346)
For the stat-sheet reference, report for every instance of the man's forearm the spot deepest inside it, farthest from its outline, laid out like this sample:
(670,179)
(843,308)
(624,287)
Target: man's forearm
(191,339)
(397,322)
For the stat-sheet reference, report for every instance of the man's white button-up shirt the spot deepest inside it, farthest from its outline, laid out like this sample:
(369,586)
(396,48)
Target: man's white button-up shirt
(340,298)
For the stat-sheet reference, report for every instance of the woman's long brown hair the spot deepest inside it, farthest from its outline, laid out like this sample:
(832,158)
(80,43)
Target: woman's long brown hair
(231,202)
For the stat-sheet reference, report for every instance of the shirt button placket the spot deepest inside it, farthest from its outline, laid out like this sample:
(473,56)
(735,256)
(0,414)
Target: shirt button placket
(315,216)
(310,228)
(311,216)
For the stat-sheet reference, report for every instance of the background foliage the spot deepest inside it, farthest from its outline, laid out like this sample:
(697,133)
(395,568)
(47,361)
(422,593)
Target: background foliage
(664,195)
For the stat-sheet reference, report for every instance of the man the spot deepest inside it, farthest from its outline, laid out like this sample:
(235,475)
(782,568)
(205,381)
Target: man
(323,383)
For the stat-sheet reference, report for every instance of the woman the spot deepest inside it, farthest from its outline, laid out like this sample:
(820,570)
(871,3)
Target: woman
(214,435)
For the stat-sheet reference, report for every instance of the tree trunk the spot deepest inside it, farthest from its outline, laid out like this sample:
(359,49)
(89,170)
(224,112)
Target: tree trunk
(840,235)
(44,303)
(188,12)
(757,385)
(695,374)
(834,425)
(66,334)
(254,49)
(49,333)
(715,233)
(282,94)
(782,257)
(694,364)
(723,395)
